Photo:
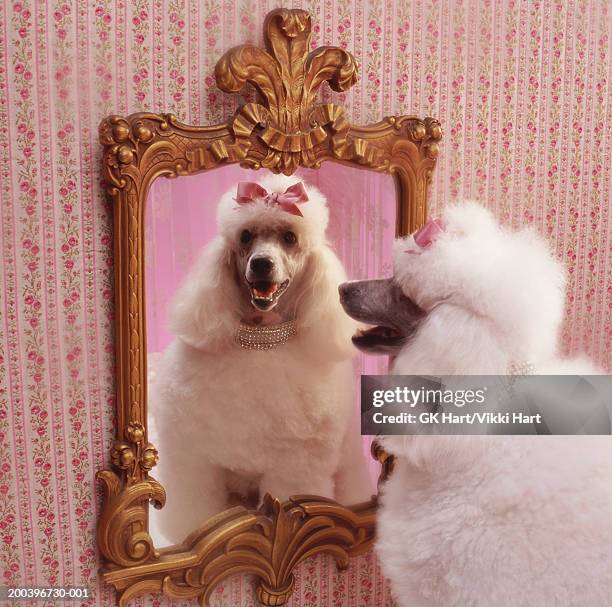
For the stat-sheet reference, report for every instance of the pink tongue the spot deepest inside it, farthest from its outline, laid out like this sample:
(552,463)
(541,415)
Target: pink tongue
(272,288)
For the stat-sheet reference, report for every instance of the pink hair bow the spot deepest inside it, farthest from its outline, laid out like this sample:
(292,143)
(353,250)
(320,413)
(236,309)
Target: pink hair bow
(428,233)
(249,191)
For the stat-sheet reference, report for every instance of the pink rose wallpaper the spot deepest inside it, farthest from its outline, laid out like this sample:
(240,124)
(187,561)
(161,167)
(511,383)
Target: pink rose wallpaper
(522,90)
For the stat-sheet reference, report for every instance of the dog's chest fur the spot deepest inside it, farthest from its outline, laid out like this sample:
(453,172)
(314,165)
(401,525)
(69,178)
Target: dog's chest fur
(275,397)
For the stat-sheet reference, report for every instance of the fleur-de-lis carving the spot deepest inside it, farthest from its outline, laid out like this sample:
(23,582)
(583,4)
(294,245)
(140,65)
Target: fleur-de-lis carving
(286,74)
(287,77)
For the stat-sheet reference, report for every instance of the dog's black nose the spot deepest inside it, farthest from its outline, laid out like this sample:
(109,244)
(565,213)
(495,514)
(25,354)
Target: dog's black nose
(350,290)
(344,290)
(262,266)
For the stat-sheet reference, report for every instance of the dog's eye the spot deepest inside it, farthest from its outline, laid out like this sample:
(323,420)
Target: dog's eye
(289,237)
(246,237)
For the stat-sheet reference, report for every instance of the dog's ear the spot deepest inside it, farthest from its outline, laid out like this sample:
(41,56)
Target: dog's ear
(204,311)
(319,312)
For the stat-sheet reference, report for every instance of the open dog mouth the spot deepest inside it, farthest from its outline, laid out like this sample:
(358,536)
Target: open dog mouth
(380,303)
(265,293)
(378,336)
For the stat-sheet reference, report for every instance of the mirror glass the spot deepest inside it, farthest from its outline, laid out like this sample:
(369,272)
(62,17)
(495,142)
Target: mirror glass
(253,379)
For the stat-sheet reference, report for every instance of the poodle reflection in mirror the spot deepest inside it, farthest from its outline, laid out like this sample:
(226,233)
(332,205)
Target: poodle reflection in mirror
(254,395)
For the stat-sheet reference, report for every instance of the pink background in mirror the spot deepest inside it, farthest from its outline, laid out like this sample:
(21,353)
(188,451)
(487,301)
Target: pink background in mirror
(181,219)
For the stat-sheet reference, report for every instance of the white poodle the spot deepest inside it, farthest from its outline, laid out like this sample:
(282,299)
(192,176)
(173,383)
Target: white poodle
(255,394)
(485,521)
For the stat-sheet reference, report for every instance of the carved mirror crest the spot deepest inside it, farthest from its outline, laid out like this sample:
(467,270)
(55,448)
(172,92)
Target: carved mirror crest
(284,130)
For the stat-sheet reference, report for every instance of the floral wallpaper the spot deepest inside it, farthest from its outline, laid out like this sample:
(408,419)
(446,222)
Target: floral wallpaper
(521,87)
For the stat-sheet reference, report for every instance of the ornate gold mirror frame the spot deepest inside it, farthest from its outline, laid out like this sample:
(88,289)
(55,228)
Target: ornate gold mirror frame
(284,130)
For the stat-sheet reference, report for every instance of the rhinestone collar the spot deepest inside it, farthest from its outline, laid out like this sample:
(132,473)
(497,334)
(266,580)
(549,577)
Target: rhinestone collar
(264,337)
(524,367)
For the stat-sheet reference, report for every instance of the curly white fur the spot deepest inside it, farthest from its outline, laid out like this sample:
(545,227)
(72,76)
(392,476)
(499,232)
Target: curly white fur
(278,421)
(492,521)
